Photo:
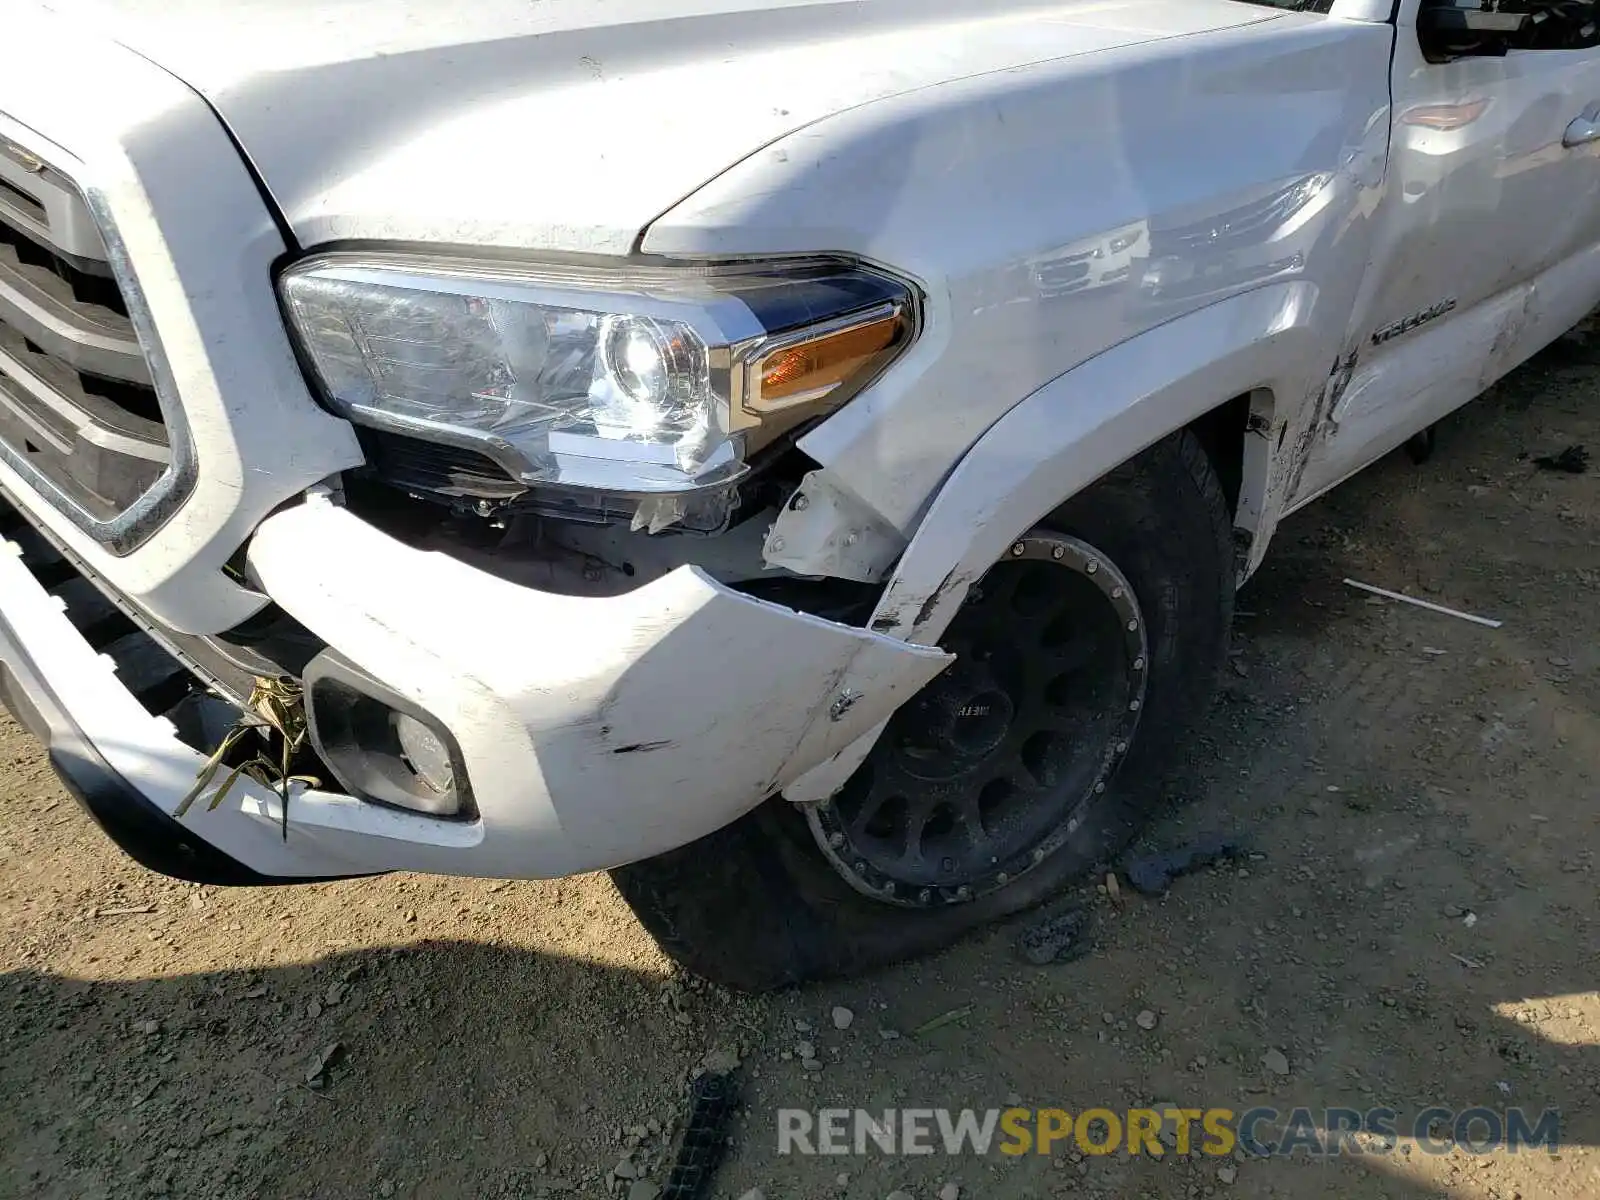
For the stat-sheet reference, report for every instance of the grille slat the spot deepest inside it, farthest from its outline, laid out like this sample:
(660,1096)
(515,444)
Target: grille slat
(41,306)
(42,203)
(77,406)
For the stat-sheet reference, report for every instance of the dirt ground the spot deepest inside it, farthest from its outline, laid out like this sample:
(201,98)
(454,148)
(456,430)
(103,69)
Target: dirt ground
(1418,926)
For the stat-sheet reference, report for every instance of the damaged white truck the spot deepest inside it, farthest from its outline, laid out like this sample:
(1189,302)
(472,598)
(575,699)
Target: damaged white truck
(796,455)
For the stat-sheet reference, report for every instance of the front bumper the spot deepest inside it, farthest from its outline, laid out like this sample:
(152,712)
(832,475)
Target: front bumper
(120,806)
(594,731)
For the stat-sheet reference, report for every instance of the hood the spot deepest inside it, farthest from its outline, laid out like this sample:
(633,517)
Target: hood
(569,125)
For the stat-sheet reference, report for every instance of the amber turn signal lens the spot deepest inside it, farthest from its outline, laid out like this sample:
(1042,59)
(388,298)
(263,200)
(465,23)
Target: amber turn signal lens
(809,370)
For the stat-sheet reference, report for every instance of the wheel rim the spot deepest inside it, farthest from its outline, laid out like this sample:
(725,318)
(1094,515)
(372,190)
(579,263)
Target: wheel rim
(989,769)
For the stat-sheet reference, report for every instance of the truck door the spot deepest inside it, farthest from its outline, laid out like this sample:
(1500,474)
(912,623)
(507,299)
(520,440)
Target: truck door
(1485,246)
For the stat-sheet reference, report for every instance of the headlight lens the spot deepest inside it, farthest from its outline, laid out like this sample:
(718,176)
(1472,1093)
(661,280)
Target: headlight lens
(643,382)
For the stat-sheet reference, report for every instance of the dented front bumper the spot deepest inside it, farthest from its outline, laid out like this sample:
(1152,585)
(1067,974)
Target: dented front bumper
(593,731)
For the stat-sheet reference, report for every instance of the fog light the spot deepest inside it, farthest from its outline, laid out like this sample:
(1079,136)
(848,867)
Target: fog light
(425,753)
(380,746)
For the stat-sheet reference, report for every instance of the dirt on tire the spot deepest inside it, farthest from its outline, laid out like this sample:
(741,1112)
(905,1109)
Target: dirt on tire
(1417,924)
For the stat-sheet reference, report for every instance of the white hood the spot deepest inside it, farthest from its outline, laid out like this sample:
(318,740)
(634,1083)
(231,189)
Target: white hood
(569,125)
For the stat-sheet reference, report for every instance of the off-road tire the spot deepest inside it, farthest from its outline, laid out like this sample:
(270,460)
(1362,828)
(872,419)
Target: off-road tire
(756,906)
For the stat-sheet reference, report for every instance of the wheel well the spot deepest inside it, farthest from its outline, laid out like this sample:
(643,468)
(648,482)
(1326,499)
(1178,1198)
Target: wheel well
(1221,431)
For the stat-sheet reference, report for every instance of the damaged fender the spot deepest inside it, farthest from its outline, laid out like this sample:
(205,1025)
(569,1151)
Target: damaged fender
(1068,434)
(595,731)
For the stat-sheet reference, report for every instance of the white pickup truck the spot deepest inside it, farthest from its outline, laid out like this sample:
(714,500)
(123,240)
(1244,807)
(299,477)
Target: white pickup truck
(797,455)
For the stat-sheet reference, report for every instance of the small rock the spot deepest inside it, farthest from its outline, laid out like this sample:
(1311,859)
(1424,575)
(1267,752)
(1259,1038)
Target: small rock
(385,1188)
(1145,1020)
(1453,911)
(541,1160)
(889,1035)
(843,1018)
(1275,1061)
(336,992)
(643,1189)
(720,1060)
(1113,888)
(1056,938)
(806,1050)
(625,1169)
(950,1191)
(842,1179)
(1470,920)
(812,1064)
(149,1027)
(897,1194)
(1227,1174)
(314,1010)
(754,1194)
(256,993)
(411,916)
(326,1057)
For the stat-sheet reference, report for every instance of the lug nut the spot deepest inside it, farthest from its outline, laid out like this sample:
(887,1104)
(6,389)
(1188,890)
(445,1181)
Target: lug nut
(1019,550)
(1058,553)
(1092,568)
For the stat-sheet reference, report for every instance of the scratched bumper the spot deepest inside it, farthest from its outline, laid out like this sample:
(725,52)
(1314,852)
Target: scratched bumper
(594,731)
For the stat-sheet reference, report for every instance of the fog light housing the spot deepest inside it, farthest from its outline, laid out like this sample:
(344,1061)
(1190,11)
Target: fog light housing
(425,753)
(381,747)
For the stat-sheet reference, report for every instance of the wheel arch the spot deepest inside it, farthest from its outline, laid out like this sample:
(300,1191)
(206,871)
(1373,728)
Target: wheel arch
(1096,417)
(1219,370)
(1237,435)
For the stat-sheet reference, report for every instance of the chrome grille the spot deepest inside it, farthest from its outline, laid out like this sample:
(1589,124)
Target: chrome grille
(78,412)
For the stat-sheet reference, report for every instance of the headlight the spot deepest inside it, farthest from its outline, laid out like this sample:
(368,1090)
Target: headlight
(641,380)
